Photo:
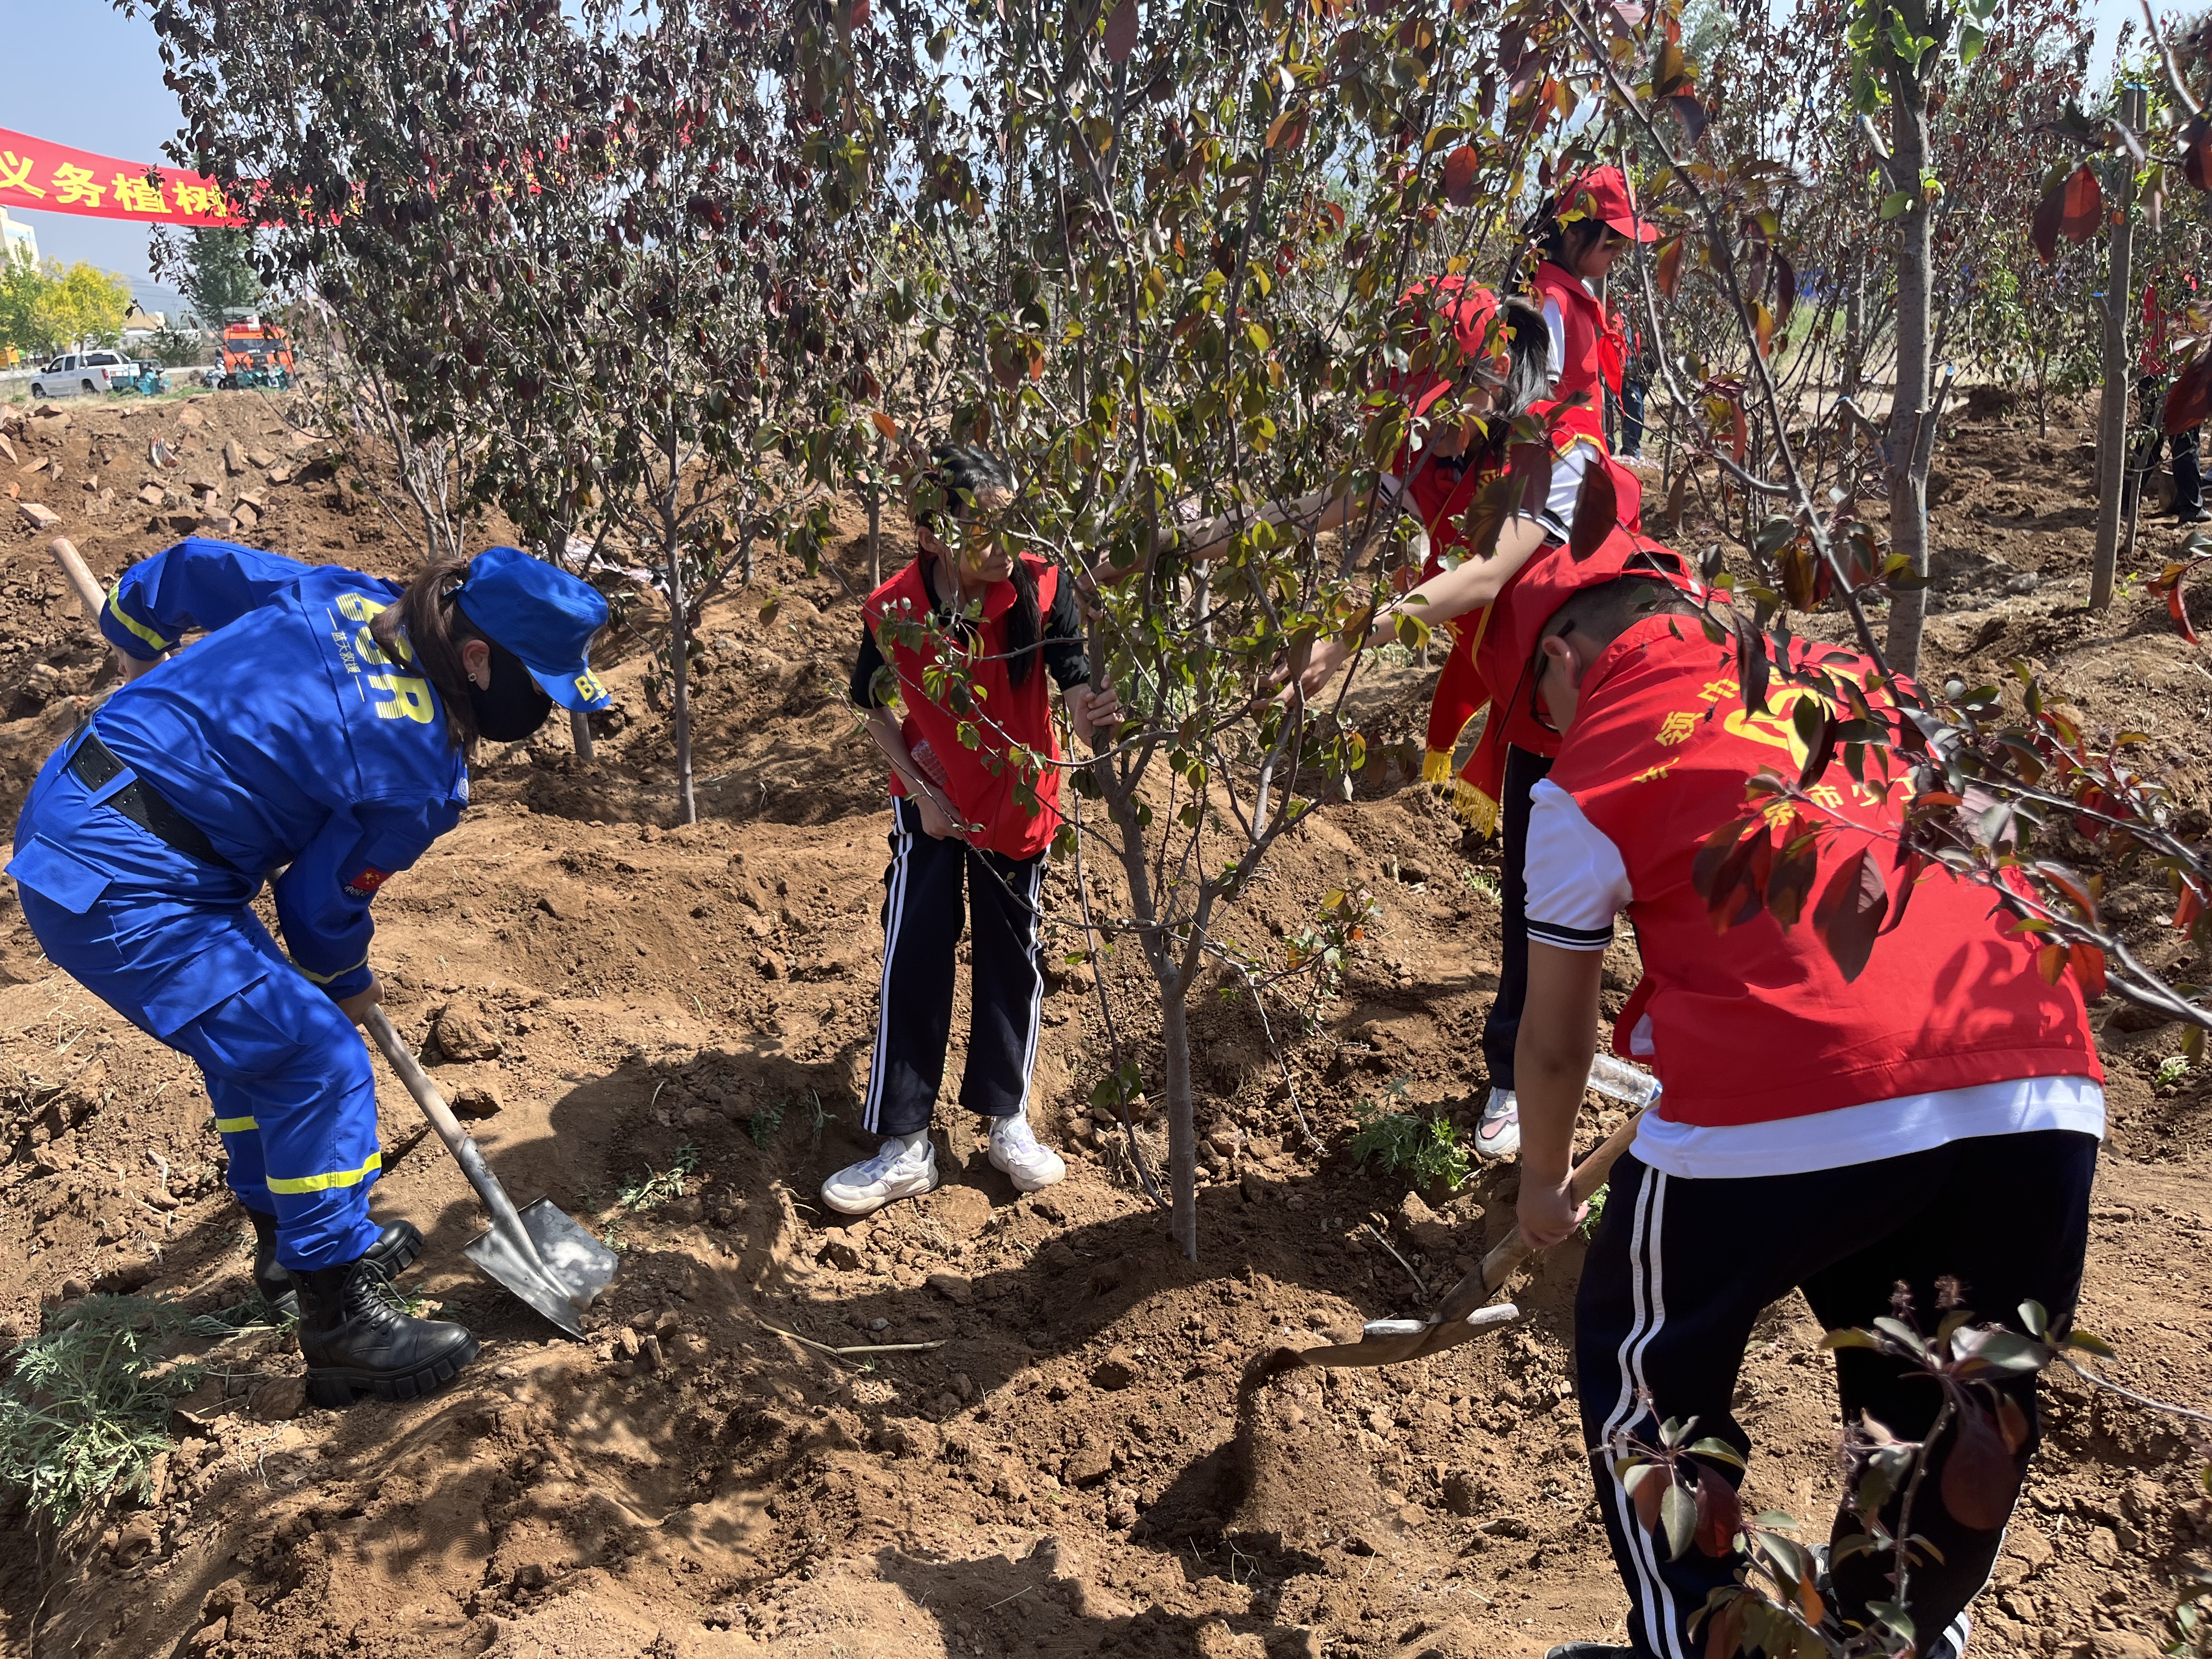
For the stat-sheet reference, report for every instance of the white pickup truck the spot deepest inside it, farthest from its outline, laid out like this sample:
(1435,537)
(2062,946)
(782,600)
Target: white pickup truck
(83,371)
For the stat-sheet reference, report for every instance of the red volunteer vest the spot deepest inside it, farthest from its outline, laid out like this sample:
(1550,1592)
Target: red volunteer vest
(1592,359)
(983,781)
(1758,1023)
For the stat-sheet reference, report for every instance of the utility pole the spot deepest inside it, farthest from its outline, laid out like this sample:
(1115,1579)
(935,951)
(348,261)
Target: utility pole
(2119,372)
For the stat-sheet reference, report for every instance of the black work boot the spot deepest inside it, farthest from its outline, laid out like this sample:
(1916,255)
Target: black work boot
(357,1338)
(394,1252)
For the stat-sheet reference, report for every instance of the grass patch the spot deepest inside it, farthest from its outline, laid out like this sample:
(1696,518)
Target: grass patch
(86,1410)
(1424,1149)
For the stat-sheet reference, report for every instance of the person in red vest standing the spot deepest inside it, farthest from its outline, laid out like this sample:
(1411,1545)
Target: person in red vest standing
(1580,232)
(2155,365)
(1839,1134)
(980,818)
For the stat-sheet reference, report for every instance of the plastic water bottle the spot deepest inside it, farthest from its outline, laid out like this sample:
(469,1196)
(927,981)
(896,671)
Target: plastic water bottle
(1616,1079)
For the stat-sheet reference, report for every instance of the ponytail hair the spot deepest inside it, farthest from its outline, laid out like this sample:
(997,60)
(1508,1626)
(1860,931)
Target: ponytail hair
(1527,372)
(425,629)
(959,479)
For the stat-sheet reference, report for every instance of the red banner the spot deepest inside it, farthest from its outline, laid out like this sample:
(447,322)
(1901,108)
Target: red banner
(55,179)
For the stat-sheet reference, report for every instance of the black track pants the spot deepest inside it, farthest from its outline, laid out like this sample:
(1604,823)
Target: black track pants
(925,907)
(1681,1269)
(1501,1027)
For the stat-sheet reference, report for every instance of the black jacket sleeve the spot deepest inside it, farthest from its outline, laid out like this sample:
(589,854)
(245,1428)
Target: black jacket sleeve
(866,667)
(1063,648)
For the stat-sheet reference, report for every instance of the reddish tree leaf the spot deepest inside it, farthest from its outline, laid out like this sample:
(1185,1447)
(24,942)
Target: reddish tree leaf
(2196,153)
(1668,270)
(1690,113)
(1597,510)
(1720,1516)
(1762,324)
(2178,607)
(1785,290)
(1724,1630)
(1121,32)
(2088,964)
(1677,497)
(1849,916)
(2082,213)
(2189,401)
(1738,891)
(1713,853)
(1647,1487)
(2188,905)
(2012,1423)
(2051,963)
(1980,1479)
(2043,230)
(1790,882)
(1460,169)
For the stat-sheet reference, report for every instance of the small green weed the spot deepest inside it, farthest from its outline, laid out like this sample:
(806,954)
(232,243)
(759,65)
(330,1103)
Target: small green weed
(1597,1210)
(656,1187)
(1425,1149)
(1480,883)
(2173,1068)
(87,1410)
(765,1126)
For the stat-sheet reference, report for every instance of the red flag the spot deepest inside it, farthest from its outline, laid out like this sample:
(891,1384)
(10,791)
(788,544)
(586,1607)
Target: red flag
(55,179)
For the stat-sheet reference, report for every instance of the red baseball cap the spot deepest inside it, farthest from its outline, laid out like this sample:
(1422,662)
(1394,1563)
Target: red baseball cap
(1472,310)
(1603,194)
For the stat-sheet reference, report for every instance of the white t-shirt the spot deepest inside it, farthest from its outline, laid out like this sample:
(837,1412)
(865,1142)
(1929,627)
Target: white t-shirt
(1577,884)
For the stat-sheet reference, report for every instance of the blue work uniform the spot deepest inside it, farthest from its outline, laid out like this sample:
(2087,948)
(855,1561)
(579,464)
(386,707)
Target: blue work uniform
(290,741)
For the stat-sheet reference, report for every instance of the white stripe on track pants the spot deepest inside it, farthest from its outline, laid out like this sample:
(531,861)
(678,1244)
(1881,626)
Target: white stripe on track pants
(1681,1270)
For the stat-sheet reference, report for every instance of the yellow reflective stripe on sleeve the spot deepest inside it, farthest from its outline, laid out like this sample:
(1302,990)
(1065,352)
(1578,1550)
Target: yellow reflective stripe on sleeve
(318,1183)
(315,978)
(231,1126)
(135,626)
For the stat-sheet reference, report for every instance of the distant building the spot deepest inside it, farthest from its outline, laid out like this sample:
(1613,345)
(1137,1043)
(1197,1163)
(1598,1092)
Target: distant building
(17,240)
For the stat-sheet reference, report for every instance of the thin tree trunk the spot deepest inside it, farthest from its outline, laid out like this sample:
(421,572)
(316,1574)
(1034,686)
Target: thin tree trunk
(1908,479)
(580,733)
(1182,1119)
(679,650)
(2113,400)
(876,520)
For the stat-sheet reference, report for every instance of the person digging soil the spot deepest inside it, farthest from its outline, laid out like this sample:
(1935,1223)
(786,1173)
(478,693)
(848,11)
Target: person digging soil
(1912,1140)
(325,725)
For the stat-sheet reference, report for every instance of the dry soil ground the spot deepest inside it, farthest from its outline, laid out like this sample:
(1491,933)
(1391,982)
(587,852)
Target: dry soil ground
(1065,1472)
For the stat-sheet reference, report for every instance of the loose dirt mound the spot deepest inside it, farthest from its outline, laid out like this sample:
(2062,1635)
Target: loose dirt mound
(1055,1455)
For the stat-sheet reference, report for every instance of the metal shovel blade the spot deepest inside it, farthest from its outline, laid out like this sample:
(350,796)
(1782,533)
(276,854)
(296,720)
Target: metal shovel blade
(565,1269)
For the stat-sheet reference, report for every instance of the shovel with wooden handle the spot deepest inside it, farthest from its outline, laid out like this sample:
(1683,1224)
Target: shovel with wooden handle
(540,1253)
(1464,1311)
(90,592)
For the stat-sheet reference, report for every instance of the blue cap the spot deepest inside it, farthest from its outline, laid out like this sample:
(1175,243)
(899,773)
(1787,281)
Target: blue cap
(544,616)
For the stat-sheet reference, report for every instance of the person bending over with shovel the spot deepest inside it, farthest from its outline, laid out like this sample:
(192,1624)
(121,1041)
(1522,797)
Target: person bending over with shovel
(322,728)
(1931,1122)
(982,817)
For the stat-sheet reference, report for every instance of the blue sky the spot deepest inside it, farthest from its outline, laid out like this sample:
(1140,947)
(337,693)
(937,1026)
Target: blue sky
(82,74)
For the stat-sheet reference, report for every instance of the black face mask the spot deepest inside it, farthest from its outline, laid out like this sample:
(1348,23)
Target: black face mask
(513,706)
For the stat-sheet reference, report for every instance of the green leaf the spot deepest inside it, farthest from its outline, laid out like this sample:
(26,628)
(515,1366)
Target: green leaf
(1895,202)
(1720,1451)
(1678,1513)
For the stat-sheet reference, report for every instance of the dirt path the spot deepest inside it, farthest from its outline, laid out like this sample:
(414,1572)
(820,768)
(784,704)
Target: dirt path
(1071,1471)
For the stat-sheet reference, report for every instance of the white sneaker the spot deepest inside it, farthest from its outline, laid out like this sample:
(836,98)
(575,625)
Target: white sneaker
(893,1173)
(1497,1134)
(1032,1166)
